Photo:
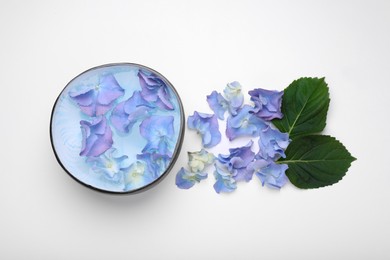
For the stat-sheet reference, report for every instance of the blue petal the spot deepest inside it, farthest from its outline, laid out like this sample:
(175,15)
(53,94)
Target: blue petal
(158,131)
(238,160)
(224,179)
(272,143)
(207,126)
(244,124)
(267,103)
(182,181)
(156,163)
(273,175)
(218,104)
(186,179)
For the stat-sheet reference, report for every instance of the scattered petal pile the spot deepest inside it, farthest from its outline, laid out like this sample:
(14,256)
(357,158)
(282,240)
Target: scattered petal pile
(244,120)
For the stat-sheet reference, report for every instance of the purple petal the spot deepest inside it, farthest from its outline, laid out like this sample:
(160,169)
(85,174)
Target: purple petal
(155,90)
(102,109)
(97,137)
(109,90)
(84,98)
(239,157)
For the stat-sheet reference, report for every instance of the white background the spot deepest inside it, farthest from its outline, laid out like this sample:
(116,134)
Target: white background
(199,46)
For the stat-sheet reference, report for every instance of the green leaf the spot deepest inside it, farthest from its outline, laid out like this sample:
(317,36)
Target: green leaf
(316,161)
(304,106)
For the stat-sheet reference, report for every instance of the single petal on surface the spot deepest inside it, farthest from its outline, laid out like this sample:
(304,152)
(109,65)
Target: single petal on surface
(207,126)
(234,96)
(237,161)
(218,104)
(273,175)
(186,179)
(267,103)
(198,161)
(224,179)
(272,143)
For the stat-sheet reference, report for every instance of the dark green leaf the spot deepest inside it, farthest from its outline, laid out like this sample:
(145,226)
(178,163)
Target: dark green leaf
(316,161)
(304,106)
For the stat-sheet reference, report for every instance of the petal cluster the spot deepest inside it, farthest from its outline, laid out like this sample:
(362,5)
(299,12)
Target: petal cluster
(127,113)
(244,123)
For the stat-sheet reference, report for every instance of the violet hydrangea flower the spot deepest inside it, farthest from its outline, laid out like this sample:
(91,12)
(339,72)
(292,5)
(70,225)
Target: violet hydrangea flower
(186,179)
(245,123)
(224,179)
(238,160)
(267,103)
(96,137)
(95,100)
(272,143)
(156,163)
(270,173)
(207,126)
(108,165)
(159,132)
(155,90)
(128,112)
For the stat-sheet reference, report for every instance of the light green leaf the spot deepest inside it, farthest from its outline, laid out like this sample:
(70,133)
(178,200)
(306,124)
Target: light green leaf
(316,161)
(304,106)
